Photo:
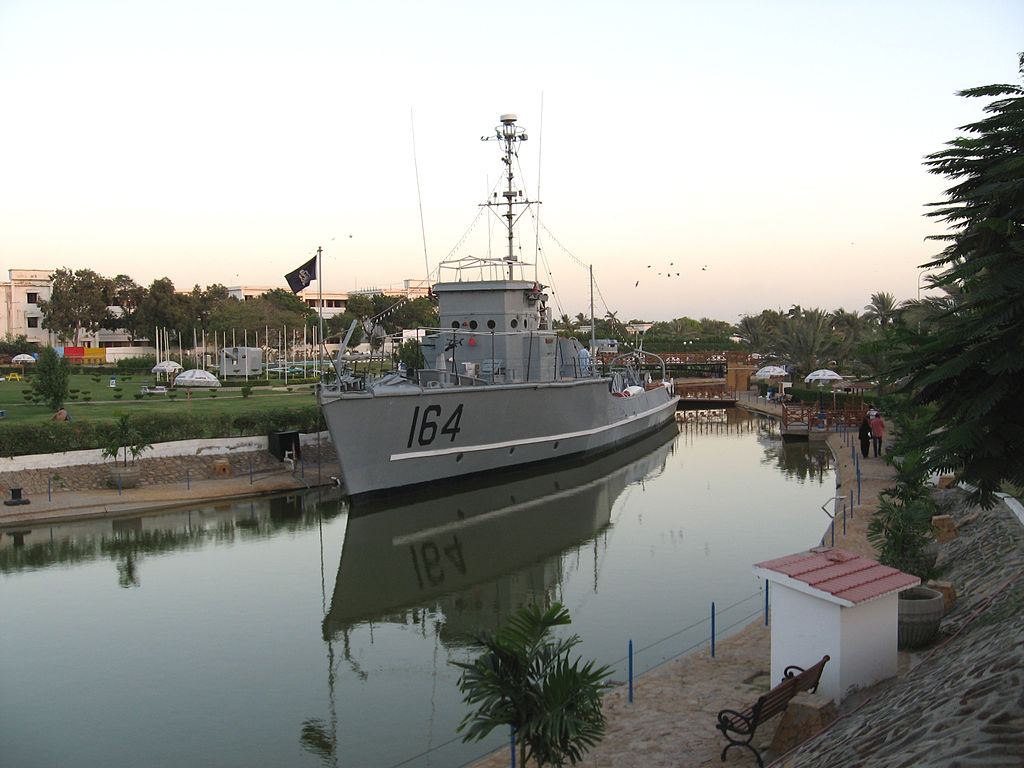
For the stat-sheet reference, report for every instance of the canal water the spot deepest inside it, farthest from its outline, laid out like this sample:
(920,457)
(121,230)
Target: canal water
(297,631)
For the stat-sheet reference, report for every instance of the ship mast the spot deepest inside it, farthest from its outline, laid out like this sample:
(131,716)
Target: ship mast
(510,135)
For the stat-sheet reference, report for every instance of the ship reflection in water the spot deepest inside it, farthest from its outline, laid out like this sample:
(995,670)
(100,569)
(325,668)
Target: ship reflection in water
(300,630)
(478,554)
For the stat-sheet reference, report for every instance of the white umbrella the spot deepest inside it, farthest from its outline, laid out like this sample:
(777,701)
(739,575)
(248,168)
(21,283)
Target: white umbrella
(196,377)
(167,366)
(770,372)
(23,358)
(822,375)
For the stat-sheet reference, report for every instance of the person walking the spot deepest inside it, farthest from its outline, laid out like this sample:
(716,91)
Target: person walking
(877,432)
(865,436)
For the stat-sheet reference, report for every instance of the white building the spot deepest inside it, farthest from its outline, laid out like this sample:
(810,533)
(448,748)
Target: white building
(20,313)
(827,601)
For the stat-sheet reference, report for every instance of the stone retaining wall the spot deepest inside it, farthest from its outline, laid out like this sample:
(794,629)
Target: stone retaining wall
(161,470)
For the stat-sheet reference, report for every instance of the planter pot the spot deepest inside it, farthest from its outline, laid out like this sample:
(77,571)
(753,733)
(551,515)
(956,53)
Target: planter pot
(920,611)
(123,477)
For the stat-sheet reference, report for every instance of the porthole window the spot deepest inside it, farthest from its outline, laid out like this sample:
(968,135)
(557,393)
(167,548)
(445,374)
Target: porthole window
(490,324)
(472,324)
(455,323)
(514,323)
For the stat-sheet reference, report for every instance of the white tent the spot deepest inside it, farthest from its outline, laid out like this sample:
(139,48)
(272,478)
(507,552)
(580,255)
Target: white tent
(22,358)
(196,377)
(770,372)
(822,375)
(167,366)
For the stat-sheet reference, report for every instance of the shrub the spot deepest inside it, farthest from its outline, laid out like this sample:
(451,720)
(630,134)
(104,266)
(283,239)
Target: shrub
(138,395)
(246,391)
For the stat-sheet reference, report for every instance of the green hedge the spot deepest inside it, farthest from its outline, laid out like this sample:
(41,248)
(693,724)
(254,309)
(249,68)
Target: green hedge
(57,437)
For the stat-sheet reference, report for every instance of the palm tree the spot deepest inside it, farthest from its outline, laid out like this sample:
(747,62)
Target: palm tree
(684,328)
(757,332)
(849,330)
(567,324)
(806,339)
(923,313)
(523,679)
(882,310)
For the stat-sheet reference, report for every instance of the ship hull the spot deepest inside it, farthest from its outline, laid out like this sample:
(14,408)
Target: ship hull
(412,437)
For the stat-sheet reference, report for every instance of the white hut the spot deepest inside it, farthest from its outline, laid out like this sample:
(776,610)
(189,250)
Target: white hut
(828,601)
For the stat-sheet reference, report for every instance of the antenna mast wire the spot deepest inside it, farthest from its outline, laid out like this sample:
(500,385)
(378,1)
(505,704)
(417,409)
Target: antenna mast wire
(419,197)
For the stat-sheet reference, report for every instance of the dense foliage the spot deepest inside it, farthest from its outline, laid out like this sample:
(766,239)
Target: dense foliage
(965,359)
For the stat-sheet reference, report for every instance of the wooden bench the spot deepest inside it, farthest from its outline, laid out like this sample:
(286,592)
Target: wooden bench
(739,727)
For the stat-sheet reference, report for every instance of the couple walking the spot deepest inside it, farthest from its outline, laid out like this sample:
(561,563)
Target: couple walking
(872,429)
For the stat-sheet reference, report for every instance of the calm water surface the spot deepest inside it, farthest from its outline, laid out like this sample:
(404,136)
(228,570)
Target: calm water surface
(295,631)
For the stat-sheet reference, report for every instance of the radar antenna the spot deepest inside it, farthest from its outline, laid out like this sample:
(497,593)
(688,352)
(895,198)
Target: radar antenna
(510,135)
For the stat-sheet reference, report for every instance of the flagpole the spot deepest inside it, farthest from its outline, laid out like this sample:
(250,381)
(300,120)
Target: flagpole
(320,301)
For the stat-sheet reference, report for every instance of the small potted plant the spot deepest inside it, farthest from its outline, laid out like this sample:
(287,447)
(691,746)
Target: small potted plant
(124,446)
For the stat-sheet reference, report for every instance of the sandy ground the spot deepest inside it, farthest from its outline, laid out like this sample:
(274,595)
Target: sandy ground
(671,721)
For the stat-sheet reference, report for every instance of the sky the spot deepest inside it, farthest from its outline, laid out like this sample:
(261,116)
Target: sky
(756,154)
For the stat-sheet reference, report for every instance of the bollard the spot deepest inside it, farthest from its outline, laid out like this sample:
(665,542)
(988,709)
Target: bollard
(631,671)
(844,518)
(858,484)
(832,527)
(188,480)
(512,743)
(49,495)
(851,503)
(712,630)
(118,483)
(250,471)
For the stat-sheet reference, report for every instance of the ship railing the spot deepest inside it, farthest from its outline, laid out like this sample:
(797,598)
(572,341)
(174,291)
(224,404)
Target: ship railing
(636,358)
(481,268)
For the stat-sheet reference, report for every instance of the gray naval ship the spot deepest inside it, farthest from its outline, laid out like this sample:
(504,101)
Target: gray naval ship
(499,388)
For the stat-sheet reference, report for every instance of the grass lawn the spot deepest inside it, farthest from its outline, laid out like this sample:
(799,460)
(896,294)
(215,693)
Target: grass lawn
(103,404)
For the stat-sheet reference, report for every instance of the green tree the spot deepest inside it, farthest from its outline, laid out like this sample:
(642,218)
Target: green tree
(524,679)
(51,378)
(882,310)
(805,339)
(125,296)
(967,364)
(78,302)
(163,307)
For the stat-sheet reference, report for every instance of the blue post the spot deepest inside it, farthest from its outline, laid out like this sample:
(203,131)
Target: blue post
(851,503)
(512,743)
(188,480)
(766,583)
(631,670)
(118,483)
(712,629)
(858,483)
(49,496)
(250,471)
(832,528)
(844,518)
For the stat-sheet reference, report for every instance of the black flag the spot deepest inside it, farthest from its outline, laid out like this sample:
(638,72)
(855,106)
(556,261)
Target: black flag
(302,276)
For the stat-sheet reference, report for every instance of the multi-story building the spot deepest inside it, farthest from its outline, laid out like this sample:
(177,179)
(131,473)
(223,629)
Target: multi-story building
(20,313)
